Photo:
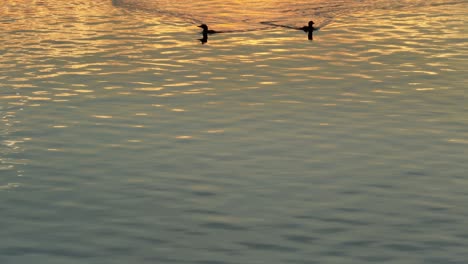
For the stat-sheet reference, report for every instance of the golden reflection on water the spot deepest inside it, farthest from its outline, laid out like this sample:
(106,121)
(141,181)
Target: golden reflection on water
(124,99)
(64,52)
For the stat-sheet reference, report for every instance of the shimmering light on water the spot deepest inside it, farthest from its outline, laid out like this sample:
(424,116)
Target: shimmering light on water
(123,139)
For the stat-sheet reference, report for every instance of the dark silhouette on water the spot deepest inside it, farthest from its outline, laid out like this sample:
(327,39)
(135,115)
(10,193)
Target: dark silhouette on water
(208,31)
(309,29)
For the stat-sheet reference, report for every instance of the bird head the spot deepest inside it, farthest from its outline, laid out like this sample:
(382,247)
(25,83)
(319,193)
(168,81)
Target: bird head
(204,26)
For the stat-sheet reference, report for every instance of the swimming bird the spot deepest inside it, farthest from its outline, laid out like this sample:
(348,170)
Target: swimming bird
(308,28)
(206,30)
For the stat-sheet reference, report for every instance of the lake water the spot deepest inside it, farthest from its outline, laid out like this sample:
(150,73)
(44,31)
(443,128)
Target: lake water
(123,139)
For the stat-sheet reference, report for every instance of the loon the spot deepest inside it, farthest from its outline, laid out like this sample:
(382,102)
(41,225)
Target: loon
(308,28)
(206,30)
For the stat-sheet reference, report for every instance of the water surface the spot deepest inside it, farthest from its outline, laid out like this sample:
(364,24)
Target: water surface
(123,139)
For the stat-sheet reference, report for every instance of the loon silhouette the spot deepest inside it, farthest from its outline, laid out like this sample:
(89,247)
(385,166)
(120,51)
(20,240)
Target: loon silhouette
(206,30)
(308,28)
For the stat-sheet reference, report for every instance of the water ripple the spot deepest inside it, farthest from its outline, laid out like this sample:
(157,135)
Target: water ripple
(137,143)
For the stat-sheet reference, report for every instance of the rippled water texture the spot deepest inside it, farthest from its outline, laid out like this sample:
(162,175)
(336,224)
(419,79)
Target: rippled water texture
(123,139)
(251,14)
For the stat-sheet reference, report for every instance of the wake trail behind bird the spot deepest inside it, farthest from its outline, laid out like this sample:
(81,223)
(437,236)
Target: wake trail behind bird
(251,15)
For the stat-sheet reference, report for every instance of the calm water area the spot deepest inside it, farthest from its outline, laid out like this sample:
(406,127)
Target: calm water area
(124,139)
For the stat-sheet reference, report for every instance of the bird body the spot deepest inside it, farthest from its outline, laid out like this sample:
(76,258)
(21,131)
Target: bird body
(308,28)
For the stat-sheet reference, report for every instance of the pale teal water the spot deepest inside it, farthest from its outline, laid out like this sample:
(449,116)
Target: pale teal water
(124,140)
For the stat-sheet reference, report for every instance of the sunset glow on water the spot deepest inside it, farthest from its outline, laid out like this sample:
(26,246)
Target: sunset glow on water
(124,138)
